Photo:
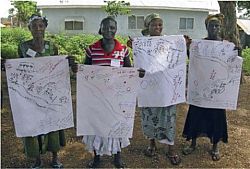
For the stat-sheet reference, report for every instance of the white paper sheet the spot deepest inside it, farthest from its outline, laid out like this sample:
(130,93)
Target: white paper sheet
(164,59)
(106,100)
(40,94)
(214,74)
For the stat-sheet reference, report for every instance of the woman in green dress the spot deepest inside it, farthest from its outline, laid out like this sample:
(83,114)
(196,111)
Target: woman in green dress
(38,47)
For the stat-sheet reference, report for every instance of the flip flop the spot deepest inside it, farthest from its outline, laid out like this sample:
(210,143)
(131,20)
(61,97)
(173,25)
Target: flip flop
(174,159)
(215,155)
(150,151)
(95,163)
(56,165)
(37,166)
(188,150)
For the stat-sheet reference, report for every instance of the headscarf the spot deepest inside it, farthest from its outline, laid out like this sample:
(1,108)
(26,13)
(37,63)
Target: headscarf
(104,19)
(36,16)
(147,21)
(218,17)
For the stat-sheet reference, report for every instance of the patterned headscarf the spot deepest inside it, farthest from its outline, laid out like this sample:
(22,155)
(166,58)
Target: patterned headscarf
(35,16)
(218,17)
(147,21)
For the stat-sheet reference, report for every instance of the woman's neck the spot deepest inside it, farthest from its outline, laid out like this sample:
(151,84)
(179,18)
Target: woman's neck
(108,45)
(38,44)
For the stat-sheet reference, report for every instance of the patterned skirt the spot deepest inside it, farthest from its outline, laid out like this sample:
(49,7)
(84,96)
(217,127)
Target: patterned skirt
(159,123)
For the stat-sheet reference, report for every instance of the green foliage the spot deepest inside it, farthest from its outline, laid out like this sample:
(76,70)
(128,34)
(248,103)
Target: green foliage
(115,8)
(246,61)
(10,39)
(72,45)
(24,10)
(9,51)
(14,35)
(244,5)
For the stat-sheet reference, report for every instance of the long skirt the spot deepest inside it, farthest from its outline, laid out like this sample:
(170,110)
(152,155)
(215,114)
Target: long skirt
(104,145)
(206,122)
(159,123)
(34,146)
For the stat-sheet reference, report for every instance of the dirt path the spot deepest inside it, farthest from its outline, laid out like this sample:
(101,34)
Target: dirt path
(235,154)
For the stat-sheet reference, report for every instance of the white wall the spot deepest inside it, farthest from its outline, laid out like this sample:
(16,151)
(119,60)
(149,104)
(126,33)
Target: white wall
(93,18)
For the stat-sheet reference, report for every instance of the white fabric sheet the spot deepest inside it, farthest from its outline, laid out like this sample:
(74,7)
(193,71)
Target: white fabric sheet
(214,74)
(40,94)
(164,59)
(106,100)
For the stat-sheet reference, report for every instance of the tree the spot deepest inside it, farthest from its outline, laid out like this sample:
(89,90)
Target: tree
(24,9)
(244,6)
(114,8)
(229,30)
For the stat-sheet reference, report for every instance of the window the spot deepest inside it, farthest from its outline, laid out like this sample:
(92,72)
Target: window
(186,23)
(135,22)
(74,23)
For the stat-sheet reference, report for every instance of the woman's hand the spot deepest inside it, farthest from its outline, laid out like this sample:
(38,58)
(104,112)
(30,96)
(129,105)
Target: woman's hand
(188,41)
(141,72)
(72,63)
(129,42)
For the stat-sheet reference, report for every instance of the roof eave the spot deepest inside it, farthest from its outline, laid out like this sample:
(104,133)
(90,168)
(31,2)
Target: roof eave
(132,7)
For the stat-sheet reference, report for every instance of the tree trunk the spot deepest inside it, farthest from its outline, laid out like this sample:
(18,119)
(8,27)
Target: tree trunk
(230,31)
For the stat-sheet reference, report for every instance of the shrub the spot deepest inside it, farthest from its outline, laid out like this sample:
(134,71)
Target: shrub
(246,61)
(9,51)
(14,35)
(73,45)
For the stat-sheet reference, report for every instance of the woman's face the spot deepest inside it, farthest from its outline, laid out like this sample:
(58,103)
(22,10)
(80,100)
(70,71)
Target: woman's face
(213,28)
(108,29)
(37,28)
(155,27)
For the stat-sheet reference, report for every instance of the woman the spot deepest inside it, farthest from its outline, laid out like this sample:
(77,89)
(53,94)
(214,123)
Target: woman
(152,128)
(102,53)
(207,122)
(38,47)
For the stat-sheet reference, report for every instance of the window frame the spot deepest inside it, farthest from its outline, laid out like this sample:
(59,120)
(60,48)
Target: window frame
(136,28)
(186,23)
(74,19)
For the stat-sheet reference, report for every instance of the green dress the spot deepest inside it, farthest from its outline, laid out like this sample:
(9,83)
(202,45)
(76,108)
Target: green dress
(33,146)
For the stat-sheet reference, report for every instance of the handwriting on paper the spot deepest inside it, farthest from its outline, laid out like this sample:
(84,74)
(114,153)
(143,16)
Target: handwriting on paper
(40,94)
(214,74)
(164,59)
(106,99)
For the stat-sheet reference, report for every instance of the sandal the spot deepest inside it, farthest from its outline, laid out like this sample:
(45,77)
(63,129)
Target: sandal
(35,166)
(56,165)
(188,150)
(119,164)
(174,159)
(94,163)
(215,155)
(150,151)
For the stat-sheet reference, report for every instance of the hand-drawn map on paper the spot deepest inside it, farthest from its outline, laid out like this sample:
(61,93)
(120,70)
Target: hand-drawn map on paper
(40,94)
(106,100)
(214,74)
(164,59)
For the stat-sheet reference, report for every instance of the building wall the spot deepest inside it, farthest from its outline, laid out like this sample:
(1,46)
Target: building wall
(93,17)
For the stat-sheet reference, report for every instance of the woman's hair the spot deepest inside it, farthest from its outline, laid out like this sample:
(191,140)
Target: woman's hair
(218,17)
(36,16)
(105,19)
(147,21)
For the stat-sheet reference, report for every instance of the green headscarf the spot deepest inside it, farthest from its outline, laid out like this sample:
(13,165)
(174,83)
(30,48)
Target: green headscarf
(147,21)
